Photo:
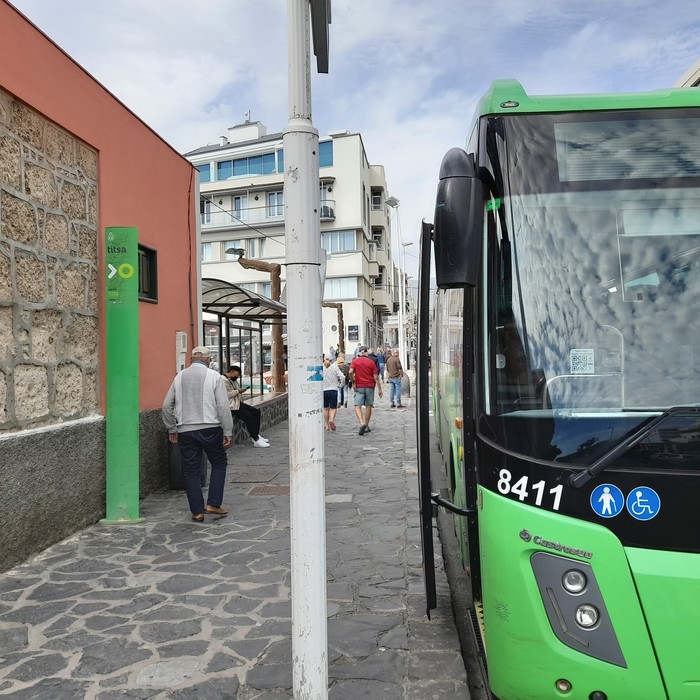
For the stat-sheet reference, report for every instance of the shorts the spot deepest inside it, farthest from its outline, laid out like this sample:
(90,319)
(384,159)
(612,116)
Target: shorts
(330,398)
(364,396)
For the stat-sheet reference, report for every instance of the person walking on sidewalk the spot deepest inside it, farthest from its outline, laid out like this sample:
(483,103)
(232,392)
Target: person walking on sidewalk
(240,410)
(196,413)
(343,391)
(394,371)
(363,372)
(333,379)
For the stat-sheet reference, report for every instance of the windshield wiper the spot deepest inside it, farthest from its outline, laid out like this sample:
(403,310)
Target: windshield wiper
(583,477)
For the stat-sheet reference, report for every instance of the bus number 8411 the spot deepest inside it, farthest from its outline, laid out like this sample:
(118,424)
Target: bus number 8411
(522,490)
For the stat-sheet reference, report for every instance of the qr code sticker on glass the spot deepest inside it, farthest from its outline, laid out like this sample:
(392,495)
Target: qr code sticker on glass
(582,361)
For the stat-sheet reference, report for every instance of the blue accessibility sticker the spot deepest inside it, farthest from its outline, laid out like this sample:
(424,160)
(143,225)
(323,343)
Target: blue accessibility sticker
(643,503)
(607,500)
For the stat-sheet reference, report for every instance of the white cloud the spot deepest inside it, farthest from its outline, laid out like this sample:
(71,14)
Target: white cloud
(406,74)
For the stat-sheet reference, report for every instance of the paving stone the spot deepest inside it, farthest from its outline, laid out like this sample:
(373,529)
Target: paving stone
(372,690)
(164,610)
(159,632)
(109,656)
(166,674)
(52,689)
(39,667)
(13,639)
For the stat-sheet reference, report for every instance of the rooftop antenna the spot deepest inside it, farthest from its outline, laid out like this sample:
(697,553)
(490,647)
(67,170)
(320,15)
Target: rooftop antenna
(246,114)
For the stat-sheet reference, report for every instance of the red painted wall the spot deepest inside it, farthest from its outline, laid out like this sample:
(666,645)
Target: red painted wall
(143,182)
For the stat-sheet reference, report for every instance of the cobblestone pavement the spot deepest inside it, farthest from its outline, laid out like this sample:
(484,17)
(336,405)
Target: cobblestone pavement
(169,608)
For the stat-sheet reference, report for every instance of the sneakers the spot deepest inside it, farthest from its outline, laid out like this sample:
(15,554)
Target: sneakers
(393,405)
(260,443)
(367,430)
(264,439)
(363,429)
(399,405)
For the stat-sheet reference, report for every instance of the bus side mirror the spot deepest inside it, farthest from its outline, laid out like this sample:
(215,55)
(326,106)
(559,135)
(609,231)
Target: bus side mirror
(458,221)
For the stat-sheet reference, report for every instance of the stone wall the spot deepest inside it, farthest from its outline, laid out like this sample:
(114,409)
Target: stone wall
(49,329)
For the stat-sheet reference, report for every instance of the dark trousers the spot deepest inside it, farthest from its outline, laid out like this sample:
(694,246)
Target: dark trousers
(251,417)
(192,444)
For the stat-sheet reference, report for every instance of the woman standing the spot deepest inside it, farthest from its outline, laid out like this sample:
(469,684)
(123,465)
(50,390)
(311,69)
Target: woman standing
(332,380)
(343,389)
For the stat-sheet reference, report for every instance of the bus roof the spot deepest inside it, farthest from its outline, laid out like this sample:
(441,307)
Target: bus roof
(509,97)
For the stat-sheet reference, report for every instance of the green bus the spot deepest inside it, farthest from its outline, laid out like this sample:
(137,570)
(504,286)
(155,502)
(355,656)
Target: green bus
(565,389)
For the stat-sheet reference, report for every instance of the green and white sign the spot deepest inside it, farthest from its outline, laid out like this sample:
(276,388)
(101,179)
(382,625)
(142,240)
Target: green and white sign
(122,375)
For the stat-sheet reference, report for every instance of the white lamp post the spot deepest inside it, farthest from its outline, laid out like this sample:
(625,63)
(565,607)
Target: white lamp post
(403,351)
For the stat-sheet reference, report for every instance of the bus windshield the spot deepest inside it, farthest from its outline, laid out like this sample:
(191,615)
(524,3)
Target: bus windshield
(592,270)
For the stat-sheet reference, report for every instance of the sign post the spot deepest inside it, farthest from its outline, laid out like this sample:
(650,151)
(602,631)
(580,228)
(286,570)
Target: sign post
(122,376)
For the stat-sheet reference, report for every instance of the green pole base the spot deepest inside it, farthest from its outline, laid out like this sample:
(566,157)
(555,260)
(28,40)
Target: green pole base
(122,521)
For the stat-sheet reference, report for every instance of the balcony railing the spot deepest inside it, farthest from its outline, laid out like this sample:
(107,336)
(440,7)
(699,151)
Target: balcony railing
(248,216)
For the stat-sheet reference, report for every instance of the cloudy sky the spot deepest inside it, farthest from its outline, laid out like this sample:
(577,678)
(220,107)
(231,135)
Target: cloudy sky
(406,74)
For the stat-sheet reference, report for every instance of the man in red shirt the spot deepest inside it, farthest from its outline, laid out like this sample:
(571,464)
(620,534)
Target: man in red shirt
(364,374)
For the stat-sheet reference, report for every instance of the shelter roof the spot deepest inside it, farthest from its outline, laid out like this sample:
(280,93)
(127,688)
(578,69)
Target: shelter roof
(226,299)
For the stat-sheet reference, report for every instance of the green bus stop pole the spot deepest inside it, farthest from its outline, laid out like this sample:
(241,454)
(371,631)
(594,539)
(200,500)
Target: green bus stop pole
(122,376)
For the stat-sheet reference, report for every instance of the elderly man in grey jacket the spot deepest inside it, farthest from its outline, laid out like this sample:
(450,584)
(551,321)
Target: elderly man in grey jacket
(198,418)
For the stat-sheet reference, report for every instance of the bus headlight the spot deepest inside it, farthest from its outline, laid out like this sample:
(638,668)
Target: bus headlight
(574,581)
(587,616)
(564,584)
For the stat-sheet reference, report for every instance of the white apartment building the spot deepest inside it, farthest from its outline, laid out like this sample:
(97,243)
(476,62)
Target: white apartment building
(242,207)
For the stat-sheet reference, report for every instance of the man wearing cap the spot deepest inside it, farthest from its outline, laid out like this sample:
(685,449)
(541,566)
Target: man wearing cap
(365,375)
(197,415)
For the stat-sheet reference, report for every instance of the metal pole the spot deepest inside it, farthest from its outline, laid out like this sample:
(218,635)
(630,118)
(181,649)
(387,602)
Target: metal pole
(304,351)
(400,317)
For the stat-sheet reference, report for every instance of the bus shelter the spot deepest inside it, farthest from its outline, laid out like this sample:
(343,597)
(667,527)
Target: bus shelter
(237,328)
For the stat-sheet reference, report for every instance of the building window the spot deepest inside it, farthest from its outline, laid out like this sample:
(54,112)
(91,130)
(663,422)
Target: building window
(275,204)
(280,160)
(253,165)
(204,173)
(338,241)
(254,247)
(325,154)
(378,238)
(266,289)
(148,274)
(240,207)
(377,201)
(206,252)
(340,288)
(365,204)
(224,170)
(379,281)
(205,211)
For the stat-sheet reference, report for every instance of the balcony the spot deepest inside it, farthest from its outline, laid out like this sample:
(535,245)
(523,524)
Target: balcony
(256,216)
(327,210)
(242,216)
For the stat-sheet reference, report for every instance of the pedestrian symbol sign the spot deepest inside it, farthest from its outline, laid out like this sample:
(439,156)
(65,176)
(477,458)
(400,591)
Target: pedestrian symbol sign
(643,503)
(607,500)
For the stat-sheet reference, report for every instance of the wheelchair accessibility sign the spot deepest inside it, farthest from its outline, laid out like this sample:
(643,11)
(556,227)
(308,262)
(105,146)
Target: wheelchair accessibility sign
(642,502)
